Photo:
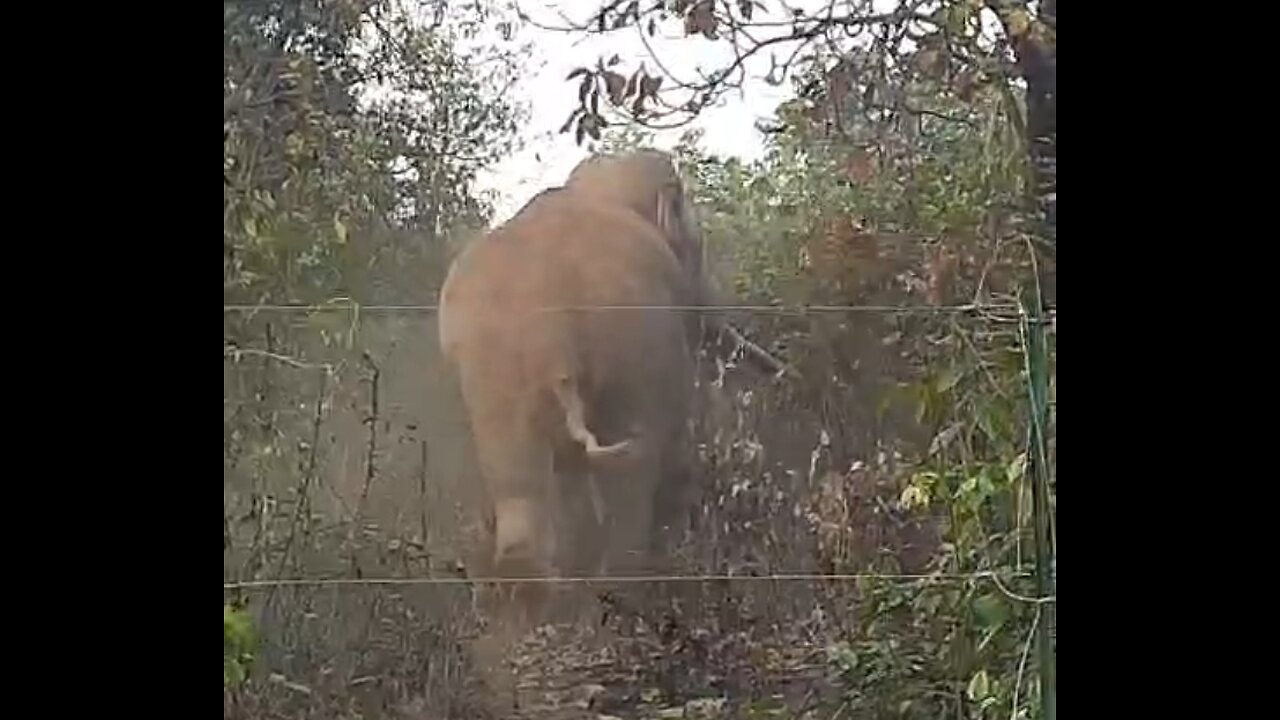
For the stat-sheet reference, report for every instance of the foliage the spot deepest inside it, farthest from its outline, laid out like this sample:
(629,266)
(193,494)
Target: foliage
(938,649)
(238,643)
(869,62)
(353,134)
(906,208)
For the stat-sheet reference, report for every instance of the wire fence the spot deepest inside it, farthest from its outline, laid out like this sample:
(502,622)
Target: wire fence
(999,312)
(1004,311)
(1036,592)
(992,577)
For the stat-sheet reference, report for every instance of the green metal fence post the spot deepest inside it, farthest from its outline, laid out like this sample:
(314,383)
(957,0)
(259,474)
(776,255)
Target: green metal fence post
(1033,321)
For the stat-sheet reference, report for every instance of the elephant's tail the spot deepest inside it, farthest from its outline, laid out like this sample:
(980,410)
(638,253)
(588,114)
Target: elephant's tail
(598,456)
(575,422)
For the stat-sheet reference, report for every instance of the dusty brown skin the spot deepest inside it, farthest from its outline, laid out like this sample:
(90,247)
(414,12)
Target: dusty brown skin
(578,415)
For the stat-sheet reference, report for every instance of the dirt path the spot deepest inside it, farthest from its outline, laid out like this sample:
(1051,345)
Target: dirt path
(577,672)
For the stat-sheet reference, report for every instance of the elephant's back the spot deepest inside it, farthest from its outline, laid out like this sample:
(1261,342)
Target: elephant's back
(556,252)
(516,304)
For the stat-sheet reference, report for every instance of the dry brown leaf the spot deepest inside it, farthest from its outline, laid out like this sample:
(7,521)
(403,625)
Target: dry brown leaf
(617,85)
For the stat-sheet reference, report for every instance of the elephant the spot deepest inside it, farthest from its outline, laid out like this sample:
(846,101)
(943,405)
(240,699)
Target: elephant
(575,362)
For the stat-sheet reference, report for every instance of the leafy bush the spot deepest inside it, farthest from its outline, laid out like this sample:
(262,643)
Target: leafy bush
(238,644)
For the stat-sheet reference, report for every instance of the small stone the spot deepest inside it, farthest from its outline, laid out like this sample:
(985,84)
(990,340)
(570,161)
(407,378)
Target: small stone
(588,695)
(705,708)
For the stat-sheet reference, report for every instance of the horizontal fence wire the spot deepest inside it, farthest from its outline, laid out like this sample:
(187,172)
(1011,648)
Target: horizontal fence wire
(638,579)
(776,309)
(989,310)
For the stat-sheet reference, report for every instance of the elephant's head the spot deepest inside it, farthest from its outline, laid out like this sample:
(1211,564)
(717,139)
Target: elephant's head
(646,181)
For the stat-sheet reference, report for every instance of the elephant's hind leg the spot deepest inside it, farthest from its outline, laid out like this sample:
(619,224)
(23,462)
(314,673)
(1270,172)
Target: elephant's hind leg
(522,556)
(515,461)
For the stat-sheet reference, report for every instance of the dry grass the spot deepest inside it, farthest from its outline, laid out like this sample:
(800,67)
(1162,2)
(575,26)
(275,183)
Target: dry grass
(362,501)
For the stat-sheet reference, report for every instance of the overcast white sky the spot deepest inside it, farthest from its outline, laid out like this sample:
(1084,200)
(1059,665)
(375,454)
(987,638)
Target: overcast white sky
(548,157)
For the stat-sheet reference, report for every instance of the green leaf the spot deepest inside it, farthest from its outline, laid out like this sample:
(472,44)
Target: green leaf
(987,423)
(237,645)
(1016,468)
(990,610)
(924,400)
(946,379)
(843,657)
(979,686)
(957,17)
(913,496)
(250,227)
(986,482)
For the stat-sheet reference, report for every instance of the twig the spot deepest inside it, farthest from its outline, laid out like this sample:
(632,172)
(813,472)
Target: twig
(758,354)
(370,464)
(317,421)
(370,460)
(237,352)
(1022,664)
(422,491)
(1013,595)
